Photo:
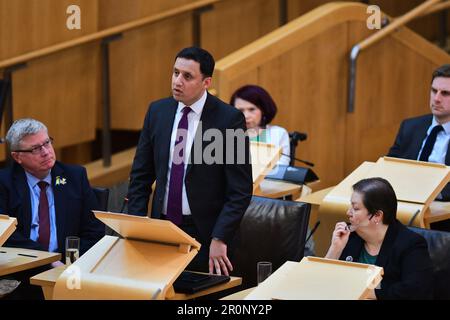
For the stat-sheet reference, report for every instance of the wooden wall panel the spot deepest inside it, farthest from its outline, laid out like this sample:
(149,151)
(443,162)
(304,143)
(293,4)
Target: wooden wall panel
(396,91)
(60,89)
(27,25)
(114,12)
(310,98)
(141,68)
(306,86)
(235,23)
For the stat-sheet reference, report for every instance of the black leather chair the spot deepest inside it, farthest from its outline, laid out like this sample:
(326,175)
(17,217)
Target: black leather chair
(439,248)
(102,195)
(271,230)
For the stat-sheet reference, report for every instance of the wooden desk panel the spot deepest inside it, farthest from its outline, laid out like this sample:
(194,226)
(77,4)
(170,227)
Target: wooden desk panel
(278,189)
(13,260)
(48,279)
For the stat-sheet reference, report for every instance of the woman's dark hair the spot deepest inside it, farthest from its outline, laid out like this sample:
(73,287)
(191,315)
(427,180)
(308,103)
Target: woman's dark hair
(378,194)
(260,98)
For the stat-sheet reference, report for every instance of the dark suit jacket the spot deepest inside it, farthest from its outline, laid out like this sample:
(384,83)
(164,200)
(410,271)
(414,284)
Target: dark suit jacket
(408,270)
(409,140)
(218,194)
(73,204)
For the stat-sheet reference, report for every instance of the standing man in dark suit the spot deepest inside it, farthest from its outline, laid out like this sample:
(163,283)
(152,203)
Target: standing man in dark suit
(203,178)
(50,200)
(426,138)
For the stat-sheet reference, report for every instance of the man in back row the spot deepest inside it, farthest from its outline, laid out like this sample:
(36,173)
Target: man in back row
(50,200)
(426,138)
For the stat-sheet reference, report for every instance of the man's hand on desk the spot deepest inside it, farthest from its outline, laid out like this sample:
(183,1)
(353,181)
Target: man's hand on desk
(57,264)
(218,259)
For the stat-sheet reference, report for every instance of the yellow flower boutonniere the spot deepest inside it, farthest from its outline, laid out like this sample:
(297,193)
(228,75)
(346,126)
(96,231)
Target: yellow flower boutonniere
(60,180)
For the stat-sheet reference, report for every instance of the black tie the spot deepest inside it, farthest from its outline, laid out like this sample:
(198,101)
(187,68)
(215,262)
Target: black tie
(429,144)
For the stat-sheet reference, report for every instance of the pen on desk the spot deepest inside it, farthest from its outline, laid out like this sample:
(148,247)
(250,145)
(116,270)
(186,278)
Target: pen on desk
(26,255)
(3,252)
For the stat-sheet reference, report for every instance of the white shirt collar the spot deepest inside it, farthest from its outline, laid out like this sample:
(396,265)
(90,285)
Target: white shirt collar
(197,106)
(446,125)
(33,181)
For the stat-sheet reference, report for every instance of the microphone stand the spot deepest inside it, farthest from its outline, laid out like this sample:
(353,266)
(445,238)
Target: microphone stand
(295,138)
(299,160)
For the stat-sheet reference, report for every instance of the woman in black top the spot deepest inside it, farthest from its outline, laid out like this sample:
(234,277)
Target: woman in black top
(375,236)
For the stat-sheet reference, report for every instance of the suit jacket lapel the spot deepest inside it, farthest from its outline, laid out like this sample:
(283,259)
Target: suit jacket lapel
(206,122)
(387,245)
(418,138)
(24,193)
(60,202)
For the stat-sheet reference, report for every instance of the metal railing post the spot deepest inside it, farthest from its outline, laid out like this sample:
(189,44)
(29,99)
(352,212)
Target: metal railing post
(106,101)
(6,102)
(197,24)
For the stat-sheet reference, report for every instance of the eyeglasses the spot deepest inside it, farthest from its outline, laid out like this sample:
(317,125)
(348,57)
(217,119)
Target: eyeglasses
(38,149)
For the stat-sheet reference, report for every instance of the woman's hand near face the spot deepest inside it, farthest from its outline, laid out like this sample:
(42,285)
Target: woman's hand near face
(338,240)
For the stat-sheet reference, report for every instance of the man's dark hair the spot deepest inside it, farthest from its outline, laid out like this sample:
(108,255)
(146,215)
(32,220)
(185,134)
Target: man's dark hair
(378,194)
(203,57)
(443,71)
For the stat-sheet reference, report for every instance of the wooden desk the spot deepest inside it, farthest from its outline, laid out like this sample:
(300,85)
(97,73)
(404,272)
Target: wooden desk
(439,211)
(14,260)
(316,197)
(48,279)
(278,189)
(7,227)
(316,278)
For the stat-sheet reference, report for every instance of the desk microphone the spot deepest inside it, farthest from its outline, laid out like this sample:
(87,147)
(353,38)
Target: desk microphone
(312,231)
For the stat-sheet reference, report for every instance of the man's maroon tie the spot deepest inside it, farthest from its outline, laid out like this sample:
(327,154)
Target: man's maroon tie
(174,200)
(44,216)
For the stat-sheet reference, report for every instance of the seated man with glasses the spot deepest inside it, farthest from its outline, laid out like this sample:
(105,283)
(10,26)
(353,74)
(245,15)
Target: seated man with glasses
(50,200)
